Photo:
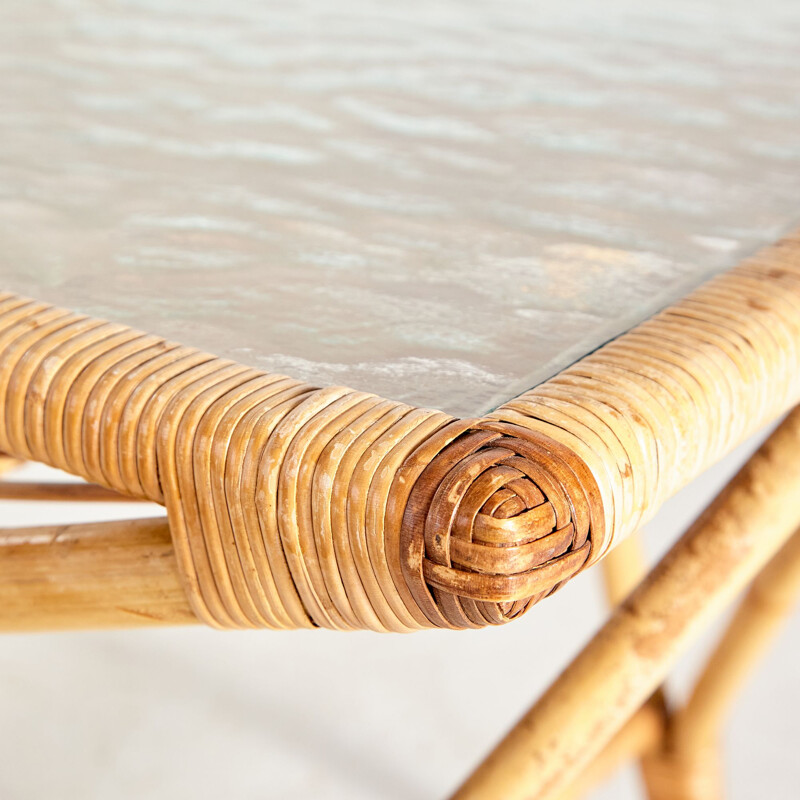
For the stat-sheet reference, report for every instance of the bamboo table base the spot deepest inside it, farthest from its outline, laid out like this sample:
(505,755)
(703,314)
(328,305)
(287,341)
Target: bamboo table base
(590,703)
(291,506)
(599,713)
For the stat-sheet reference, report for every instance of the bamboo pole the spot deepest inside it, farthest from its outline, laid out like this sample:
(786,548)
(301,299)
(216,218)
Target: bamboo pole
(623,569)
(633,652)
(103,575)
(640,737)
(690,768)
(61,492)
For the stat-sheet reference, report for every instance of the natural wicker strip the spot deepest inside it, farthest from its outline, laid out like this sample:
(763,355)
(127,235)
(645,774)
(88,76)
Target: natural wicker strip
(293,506)
(713,368)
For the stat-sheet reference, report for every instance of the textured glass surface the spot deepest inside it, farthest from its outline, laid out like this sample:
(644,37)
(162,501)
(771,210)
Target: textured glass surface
(442,202)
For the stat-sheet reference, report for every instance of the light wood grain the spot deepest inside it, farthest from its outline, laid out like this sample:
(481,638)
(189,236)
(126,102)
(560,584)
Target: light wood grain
(101,575)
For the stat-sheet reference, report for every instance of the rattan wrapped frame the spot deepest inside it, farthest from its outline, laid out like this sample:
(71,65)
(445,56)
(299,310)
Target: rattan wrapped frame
(597,712)
(294,506)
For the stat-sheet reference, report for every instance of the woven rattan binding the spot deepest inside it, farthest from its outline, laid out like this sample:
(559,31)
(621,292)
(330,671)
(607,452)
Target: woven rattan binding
(294,506)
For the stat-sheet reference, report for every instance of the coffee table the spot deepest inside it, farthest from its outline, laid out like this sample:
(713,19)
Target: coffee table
(558,245)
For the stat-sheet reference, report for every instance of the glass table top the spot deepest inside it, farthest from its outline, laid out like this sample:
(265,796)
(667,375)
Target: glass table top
(443,203)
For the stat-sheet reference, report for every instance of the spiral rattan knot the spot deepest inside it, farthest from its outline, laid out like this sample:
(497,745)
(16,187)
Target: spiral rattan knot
(495,521)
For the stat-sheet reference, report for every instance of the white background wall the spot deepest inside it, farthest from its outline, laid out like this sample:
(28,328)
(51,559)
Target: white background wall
(179,713)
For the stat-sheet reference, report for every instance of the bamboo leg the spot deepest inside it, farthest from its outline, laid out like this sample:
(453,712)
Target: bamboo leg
(689,769)
(623,569)
(633,652)
(643,734)
(104,575)
(640,737)
(61,492)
